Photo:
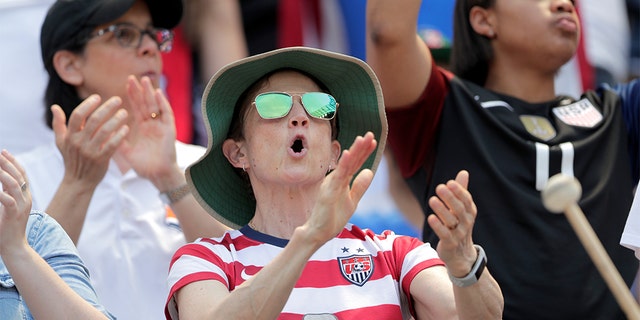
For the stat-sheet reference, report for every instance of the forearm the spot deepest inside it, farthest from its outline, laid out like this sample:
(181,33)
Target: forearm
(69,207)
(392,21)
(395,51)
(45,293)
(195,222)
(221,23)
(265,294)
(482,300)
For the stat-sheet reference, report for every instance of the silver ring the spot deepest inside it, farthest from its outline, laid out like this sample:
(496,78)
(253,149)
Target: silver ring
(23,186)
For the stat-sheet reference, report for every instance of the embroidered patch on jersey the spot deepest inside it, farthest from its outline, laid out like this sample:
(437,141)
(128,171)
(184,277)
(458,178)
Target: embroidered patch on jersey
(580,114)
(357,269)
(538,127)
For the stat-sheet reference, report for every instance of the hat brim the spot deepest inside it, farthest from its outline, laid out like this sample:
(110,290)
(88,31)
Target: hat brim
(216,185)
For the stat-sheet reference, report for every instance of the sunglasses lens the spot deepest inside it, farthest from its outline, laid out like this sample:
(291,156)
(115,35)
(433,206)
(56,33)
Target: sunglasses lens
(273,105)
(319,105)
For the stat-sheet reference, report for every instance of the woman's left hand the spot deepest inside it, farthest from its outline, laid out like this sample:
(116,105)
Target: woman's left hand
(151,150)
(453,219)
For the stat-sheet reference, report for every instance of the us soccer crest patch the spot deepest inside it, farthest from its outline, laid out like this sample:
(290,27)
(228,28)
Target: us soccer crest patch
(357,269)
(580,114)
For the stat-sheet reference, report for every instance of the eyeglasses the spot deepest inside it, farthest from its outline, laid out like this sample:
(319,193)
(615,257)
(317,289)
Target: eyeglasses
(275,105)
(130,36)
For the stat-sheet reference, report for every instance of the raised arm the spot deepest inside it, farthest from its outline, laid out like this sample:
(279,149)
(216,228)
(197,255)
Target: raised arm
(396,53)
(265,294)
(453,219)
(210,23)
(47,292)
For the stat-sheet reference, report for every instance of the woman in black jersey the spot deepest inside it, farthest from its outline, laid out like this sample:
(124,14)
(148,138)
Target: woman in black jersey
(497,116)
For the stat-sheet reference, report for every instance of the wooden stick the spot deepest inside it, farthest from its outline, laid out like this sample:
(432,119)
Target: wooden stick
(561,194)
(602,261)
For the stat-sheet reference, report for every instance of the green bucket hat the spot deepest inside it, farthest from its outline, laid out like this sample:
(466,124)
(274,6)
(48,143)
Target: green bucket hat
(216,184)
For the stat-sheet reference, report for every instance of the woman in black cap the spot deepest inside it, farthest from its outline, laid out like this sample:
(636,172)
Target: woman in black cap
(275,169)
(115,181)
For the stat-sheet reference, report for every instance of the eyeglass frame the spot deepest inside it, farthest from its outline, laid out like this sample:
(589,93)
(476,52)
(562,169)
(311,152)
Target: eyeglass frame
(141,32)
(333,116)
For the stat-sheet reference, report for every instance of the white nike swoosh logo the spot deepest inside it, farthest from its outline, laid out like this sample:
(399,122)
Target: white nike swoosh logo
(244,275)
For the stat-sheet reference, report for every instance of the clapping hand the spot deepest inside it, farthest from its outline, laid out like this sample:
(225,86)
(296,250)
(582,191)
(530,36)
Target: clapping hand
(338,198)
(15,203)
(93,134)
(151,149)
(452,220)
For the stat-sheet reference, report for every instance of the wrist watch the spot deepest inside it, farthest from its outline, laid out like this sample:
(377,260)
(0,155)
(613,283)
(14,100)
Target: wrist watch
(174,195)
(476,270)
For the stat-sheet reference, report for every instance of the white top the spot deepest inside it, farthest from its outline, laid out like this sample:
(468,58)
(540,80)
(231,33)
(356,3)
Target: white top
(127,240)
(23,78)
(631,234)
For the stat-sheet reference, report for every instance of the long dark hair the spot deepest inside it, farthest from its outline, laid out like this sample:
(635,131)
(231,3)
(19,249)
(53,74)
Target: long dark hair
(471,52)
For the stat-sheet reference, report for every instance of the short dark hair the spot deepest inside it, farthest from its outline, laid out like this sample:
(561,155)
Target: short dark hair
(471,52)
(58,91)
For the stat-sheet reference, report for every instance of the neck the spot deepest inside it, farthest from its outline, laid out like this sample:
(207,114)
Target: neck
(533,84)
(279,212)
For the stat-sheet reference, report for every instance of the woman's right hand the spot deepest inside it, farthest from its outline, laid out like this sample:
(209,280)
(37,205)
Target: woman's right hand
(93,134)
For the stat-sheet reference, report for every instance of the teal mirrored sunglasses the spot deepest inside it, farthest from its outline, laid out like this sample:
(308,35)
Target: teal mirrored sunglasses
(275,105)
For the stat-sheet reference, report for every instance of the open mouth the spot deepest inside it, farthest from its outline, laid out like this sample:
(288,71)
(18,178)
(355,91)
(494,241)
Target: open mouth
(297,146)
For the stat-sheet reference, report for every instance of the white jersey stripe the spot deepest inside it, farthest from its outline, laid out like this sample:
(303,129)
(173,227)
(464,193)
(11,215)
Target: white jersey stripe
(542,165)
(567,158)
(335,299)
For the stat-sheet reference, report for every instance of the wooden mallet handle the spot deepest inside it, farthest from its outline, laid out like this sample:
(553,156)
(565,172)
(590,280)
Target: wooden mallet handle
(562,194)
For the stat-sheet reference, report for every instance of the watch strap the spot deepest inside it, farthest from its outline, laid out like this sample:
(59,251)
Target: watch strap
(476,271)
(176,194)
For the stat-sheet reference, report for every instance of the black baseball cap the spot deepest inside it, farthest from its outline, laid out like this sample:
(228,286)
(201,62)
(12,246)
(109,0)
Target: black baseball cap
(67,19)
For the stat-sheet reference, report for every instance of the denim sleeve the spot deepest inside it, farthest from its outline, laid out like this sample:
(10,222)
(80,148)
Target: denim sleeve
(629,94)
(53,244)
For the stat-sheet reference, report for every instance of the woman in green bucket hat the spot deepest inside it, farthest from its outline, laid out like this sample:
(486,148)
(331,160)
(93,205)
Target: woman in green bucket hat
(276,170)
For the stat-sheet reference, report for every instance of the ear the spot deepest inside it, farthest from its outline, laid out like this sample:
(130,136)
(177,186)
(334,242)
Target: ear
(482,21)
(232,150)
(68,66)
(336,149)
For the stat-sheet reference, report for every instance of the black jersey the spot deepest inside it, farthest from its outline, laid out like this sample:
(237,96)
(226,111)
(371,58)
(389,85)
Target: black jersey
(511,148)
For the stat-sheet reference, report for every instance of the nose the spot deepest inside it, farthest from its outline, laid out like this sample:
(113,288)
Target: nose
(298,116)
(563,6)
(148,45)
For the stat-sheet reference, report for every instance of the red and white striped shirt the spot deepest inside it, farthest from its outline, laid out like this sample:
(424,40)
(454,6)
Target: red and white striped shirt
(354,275)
